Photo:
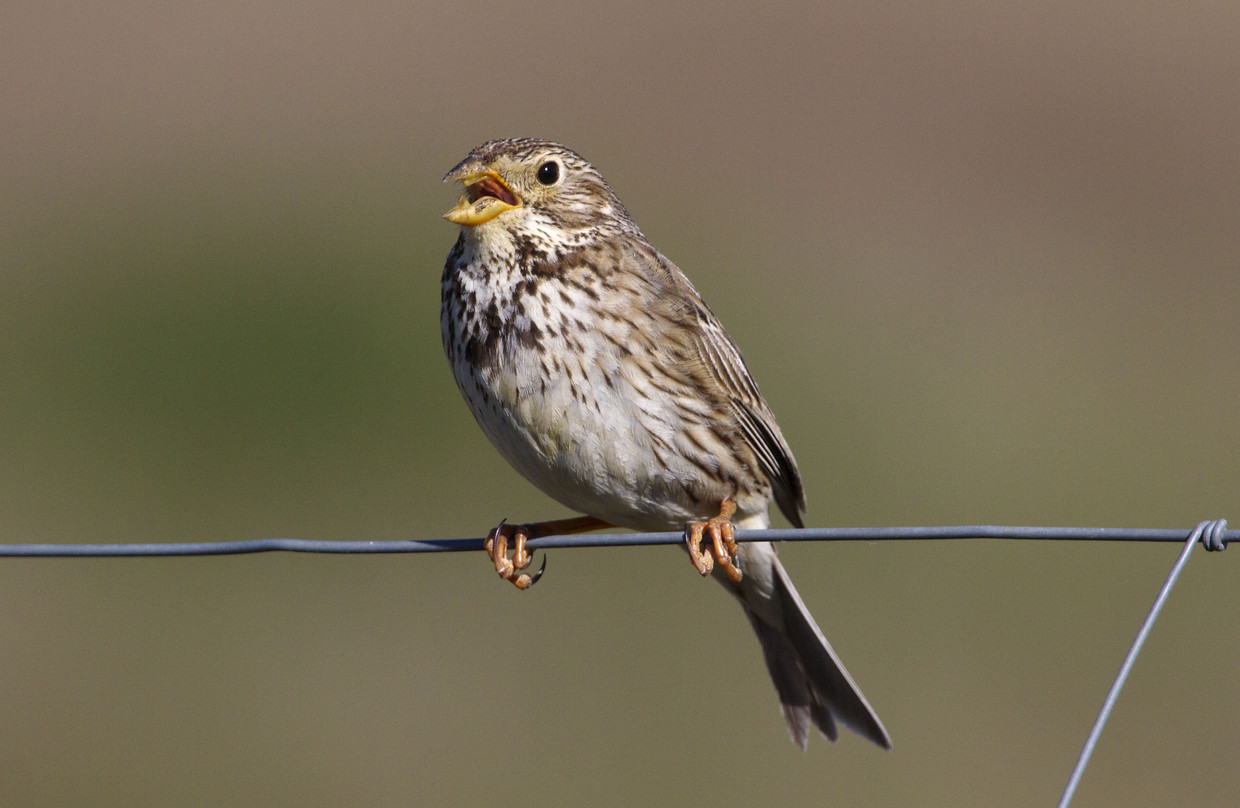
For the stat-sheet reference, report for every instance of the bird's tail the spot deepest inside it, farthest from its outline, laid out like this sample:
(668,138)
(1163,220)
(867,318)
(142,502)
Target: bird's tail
(813,686)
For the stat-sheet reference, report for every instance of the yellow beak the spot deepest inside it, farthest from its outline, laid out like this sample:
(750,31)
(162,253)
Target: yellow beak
(486,196)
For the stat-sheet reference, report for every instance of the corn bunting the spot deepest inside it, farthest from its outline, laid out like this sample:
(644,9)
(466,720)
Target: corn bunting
(595,368)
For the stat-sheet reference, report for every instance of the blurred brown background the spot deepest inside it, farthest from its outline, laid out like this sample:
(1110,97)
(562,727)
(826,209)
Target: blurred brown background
(982,258)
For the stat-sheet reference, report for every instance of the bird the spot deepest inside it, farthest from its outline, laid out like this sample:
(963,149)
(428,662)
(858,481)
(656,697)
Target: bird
(597,371)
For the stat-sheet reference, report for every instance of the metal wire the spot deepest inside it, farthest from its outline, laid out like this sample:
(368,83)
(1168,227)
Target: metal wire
(1207,533)
(871,534)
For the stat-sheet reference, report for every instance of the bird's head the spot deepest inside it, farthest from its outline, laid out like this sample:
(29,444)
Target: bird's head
(531,185)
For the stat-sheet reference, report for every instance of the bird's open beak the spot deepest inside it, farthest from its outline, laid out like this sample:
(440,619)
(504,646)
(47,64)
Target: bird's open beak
(486,196)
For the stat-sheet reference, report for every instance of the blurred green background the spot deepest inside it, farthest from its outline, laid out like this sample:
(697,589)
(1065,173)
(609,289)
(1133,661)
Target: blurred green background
(982,258)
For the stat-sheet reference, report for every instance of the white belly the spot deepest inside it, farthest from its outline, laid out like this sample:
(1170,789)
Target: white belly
(585,439)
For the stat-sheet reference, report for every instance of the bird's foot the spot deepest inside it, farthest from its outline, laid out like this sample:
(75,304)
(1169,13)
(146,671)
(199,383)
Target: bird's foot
(509,569)
(722,542)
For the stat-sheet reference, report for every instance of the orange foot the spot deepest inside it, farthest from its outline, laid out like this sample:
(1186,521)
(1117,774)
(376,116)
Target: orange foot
(496,546)
(509,569)
(722,542)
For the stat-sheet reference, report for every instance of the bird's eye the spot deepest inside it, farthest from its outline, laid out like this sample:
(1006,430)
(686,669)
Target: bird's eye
(549,172)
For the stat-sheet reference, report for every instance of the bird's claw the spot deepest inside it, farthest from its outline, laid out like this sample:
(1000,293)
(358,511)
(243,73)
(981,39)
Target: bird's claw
(496,545)
(722,543)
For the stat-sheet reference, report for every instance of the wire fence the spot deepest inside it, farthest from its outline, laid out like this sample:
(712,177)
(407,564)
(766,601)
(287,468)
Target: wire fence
(1212,535)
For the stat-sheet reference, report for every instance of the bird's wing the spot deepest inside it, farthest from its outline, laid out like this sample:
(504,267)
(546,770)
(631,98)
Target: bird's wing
(700,341)
(723,360)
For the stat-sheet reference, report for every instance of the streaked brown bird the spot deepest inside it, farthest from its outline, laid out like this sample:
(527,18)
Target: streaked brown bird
(595,368)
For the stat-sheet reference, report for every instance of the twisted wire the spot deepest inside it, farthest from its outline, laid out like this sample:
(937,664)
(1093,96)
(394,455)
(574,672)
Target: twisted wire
(1210,535)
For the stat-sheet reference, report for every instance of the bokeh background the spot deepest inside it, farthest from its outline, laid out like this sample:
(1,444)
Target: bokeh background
(982,258)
